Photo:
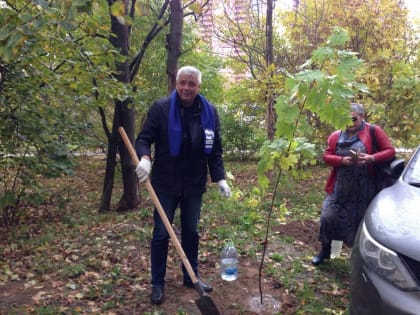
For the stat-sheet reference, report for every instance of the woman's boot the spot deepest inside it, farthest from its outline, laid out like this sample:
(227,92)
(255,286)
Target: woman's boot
(323,254)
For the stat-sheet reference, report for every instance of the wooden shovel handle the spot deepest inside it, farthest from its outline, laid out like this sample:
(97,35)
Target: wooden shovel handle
(159,208)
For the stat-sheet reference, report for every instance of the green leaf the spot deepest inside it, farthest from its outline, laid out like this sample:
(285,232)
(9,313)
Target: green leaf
(42,3)
(315,98)
(338,38)
(322,53)
(348,66)
(310,75)
(287,115)
(290,83)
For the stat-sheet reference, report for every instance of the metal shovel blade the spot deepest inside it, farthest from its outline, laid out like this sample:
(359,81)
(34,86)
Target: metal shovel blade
(206,306)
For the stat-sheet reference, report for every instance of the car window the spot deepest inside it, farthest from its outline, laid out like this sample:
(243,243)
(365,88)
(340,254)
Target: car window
(412,174)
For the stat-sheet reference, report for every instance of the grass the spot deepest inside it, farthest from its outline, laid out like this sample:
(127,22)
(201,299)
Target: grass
(68,239)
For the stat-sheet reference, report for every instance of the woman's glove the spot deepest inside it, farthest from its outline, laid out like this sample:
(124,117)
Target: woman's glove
(143,169)
(224,188)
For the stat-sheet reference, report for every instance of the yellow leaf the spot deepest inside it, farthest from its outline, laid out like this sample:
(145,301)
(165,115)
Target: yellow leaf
(118,8)
(91,28)
(141,9)
(196,8)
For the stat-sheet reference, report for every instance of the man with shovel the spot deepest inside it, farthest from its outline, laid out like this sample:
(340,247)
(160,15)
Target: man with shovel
(184,129)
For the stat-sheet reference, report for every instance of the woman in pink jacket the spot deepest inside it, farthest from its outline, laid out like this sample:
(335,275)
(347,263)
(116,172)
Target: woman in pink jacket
(350,185)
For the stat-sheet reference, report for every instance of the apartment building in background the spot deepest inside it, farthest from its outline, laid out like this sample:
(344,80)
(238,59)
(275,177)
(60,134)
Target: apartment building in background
(236,9)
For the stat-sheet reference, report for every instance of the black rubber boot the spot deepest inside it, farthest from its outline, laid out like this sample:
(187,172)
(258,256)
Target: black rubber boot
(325,253)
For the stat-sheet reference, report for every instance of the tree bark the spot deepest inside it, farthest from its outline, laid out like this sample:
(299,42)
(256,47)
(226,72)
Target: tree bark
(123,116)
(271,113)
(174,42)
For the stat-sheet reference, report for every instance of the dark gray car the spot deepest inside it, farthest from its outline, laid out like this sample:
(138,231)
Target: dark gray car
(385,260)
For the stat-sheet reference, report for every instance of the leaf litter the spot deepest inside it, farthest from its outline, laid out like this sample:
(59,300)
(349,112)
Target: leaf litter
(100,263)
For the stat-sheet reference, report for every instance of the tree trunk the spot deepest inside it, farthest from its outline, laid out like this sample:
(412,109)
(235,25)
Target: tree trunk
(271,113)
(174,42)
(123,116)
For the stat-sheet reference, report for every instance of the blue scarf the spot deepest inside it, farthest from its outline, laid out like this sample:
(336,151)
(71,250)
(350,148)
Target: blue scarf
(175,125)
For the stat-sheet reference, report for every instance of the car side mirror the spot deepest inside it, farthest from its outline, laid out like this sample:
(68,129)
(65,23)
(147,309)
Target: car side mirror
(397,167)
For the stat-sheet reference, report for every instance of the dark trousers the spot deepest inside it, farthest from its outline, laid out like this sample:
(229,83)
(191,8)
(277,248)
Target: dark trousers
(190,215)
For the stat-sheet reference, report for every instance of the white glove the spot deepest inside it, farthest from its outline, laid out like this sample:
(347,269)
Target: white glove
(224,188)
(143,169)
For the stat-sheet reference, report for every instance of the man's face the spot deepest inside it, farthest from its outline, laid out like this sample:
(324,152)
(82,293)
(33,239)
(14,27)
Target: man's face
(187,87)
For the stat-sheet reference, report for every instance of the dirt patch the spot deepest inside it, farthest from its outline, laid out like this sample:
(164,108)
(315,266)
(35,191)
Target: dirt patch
(304,232)
(113,256)
(15,293)
(242,296)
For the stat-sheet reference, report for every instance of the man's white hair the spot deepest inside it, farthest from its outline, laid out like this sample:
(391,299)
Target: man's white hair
(189,70)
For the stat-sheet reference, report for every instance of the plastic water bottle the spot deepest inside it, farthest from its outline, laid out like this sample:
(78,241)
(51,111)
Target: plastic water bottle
(336,247)
(229,262)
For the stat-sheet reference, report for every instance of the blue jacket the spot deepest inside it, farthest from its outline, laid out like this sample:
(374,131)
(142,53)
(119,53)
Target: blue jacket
(187,173)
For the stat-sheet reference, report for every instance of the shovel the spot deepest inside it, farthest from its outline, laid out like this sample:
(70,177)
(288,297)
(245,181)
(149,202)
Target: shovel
(204,302)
